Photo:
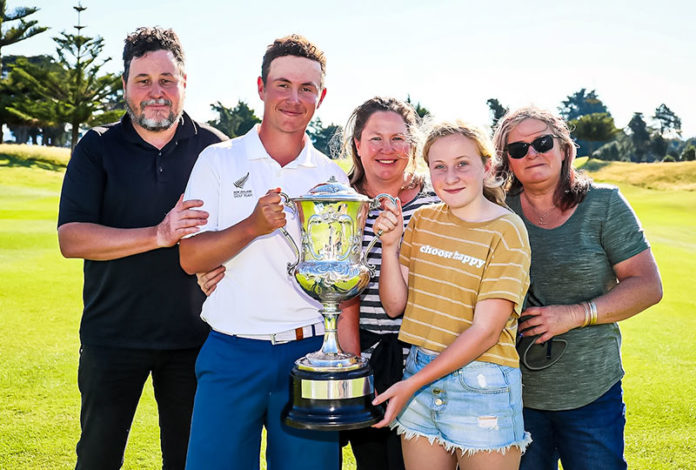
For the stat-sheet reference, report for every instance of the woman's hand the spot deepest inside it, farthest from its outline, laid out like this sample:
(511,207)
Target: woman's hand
(551,320)
(391,223)
(398,395)
(639,287)
(209,281)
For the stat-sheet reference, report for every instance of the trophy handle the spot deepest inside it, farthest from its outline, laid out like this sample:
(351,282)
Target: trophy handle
(375,204)
(287,202)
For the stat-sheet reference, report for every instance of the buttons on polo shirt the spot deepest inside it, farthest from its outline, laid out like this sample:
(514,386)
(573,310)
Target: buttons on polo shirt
(160,168)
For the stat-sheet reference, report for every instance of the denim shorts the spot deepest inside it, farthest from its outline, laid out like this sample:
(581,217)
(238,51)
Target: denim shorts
(475,408)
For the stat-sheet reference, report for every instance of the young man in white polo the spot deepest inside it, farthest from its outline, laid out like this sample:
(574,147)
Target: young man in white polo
(261,320)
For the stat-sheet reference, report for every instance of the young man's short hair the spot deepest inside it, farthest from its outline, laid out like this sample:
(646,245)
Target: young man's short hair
(295,45)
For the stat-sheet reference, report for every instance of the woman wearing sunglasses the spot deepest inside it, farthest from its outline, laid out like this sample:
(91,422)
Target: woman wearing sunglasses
(591,268)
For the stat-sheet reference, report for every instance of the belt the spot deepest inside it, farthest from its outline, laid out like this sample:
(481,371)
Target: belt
(290,335)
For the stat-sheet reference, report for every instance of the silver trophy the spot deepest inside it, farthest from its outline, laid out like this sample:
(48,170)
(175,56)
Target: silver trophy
(331,389)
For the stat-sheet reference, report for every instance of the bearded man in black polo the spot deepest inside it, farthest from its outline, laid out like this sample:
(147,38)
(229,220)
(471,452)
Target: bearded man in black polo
(122,211)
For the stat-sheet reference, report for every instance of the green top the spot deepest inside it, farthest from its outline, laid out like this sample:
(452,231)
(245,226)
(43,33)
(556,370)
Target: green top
(570,264)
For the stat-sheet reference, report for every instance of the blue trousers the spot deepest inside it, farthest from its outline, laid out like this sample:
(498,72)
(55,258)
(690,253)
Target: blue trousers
(111,381)
(243,386)
(589,437)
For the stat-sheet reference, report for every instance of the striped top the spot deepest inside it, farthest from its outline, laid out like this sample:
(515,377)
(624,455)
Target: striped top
(453,264)
(372,315)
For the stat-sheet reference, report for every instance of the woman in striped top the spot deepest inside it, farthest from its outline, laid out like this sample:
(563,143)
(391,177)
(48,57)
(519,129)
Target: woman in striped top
(379,141)
(459,276)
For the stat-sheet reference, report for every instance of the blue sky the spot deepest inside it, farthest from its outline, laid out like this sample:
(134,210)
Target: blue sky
(449,55)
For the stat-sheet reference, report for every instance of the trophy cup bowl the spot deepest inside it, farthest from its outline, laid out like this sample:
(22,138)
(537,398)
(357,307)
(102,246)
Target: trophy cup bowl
(331,389)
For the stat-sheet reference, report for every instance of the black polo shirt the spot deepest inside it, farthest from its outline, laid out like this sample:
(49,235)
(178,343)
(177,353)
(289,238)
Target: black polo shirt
(116,179)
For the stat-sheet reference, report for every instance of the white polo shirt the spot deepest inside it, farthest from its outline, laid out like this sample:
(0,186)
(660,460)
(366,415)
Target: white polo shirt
(257,295)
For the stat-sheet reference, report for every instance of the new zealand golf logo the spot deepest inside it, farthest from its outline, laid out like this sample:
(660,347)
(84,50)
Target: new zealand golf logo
(240,184)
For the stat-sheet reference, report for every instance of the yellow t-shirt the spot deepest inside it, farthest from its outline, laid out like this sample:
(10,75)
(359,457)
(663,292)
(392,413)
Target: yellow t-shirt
(452,265)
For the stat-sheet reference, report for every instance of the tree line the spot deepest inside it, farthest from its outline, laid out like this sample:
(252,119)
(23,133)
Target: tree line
(592,126)
(597,136)
(42,95)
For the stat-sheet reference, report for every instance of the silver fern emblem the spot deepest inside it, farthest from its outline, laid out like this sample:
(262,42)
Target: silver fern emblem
(241,181)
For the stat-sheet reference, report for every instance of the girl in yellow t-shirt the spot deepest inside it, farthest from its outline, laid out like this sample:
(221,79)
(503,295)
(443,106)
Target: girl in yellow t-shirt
(459,276)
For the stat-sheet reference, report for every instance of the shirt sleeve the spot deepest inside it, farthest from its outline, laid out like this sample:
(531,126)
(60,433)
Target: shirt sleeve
(622,235)
(83,185)
(204,184)
(506,273)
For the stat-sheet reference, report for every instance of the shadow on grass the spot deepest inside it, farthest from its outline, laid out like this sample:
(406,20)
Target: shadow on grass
(29,162)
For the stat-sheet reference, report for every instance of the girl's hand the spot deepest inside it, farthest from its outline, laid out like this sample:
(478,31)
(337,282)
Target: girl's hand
(398,395)
(551,320)
(391,224)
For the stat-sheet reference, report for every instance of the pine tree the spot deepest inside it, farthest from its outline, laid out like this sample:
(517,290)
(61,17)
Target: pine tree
(667,120)
(76,93)
(421,110)
(497,111)
(581,103)
(640,136)
(12,35)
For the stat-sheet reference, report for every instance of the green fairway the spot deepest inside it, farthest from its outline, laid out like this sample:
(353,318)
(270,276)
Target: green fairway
(40,308)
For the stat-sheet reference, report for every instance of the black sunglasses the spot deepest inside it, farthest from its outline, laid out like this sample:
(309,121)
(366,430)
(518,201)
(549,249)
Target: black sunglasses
(541,144)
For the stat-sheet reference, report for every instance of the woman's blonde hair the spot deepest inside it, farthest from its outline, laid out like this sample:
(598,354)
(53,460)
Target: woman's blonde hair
(492,187)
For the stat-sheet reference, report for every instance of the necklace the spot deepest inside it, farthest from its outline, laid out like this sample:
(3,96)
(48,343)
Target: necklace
(540,217)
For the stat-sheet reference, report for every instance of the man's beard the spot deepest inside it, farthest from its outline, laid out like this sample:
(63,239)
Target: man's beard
(154,125)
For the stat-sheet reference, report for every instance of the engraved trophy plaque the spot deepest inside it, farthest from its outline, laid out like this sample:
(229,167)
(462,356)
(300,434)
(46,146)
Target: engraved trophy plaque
(331,389)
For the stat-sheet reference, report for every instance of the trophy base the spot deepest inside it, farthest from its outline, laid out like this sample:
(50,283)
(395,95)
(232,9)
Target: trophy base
(331,400)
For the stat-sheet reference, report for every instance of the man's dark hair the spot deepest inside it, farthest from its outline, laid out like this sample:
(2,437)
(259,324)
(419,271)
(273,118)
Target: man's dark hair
(292,45)
(149,39)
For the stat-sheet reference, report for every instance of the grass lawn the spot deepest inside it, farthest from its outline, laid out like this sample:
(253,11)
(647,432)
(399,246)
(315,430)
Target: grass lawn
(40,307)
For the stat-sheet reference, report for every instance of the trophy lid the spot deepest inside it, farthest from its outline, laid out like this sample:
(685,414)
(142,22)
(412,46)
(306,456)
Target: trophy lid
(332,190)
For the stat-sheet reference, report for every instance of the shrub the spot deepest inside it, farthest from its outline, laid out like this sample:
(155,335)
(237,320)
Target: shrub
(689,154)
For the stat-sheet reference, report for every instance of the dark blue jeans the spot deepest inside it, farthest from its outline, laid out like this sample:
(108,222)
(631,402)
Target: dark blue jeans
(589,437)
(111,381)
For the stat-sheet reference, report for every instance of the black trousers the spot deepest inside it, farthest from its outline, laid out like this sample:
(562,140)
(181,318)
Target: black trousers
(111,381)
(375,449)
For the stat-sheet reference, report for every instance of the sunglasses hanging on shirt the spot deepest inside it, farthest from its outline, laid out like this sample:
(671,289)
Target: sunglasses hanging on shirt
(541,144)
